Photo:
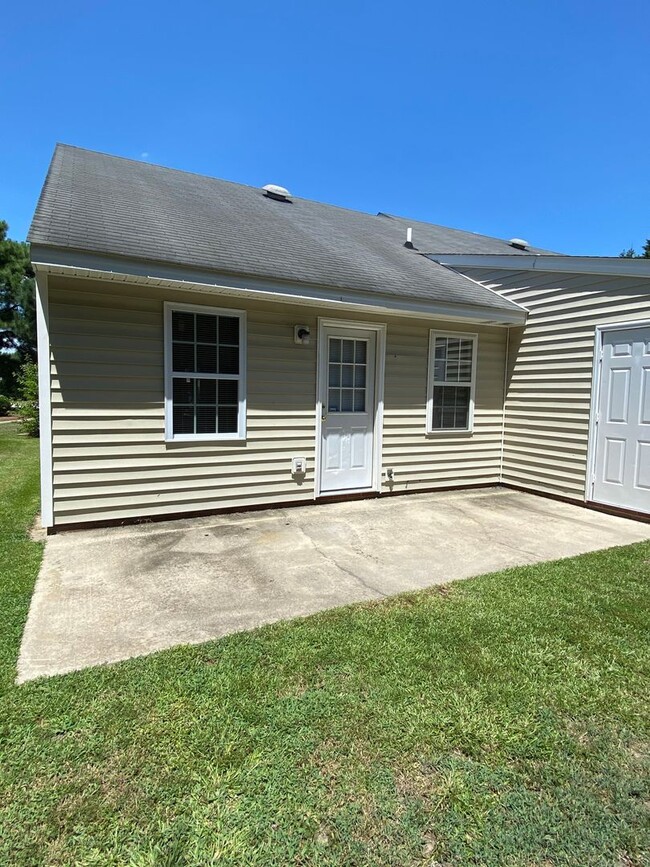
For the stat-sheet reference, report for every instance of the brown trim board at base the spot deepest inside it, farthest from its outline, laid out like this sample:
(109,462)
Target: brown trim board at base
(631,514)
(343,498)
(261,507)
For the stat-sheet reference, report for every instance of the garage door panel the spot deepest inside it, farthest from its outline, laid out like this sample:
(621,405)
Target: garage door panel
(618,403)
(644,415)
(614,463)
(643,466)
(622,350)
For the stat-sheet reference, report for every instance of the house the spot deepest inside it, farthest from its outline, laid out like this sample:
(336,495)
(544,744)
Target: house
(215,346)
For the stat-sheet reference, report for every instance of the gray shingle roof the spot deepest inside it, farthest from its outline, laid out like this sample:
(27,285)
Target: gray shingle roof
(439,240)
(110,205)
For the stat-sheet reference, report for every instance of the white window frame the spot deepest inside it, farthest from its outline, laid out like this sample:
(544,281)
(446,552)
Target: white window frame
(240,435)
(431,431)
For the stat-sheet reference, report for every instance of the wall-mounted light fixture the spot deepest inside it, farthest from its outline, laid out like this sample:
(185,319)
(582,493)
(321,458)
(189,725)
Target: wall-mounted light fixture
(301,334)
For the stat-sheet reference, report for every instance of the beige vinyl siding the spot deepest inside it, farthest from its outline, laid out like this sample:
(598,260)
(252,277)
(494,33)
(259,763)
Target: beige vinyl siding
(422,461)
(110,460)
(546,433)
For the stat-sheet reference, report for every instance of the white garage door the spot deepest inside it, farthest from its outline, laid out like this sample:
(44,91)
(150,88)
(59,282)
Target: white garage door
(622,459)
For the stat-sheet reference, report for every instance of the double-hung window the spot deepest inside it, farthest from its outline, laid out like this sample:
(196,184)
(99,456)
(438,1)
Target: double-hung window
(451,382)
(205,385)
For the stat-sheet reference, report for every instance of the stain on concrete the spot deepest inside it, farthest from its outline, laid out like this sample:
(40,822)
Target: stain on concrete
(104,595)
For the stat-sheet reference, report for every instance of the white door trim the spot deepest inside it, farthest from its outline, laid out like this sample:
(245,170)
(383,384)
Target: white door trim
(380,366)
(596,379)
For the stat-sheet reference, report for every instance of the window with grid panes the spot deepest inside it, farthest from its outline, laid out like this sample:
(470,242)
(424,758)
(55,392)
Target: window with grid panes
(347,373)
(206,350)
(451,381)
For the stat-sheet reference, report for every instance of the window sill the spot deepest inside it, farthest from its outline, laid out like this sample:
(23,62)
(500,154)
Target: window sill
(449,432)
(206,438)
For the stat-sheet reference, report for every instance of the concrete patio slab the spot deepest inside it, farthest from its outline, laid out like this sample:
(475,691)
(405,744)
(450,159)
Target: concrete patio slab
(110,594)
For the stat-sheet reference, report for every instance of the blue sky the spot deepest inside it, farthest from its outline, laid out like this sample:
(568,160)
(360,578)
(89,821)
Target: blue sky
(527,119)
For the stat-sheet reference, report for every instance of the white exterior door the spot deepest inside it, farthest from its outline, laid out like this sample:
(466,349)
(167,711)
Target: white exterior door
(622,459)
(348,402)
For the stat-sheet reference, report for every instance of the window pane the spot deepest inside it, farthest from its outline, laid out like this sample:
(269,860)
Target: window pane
(228,359)
(360,377)
(195,347)
(206,419)
(206,358)
(183,420)
(360,351)
(447,418)
(465,371)
(452,371)
(347,401)
(182,325)
(228,391)
(466,350)
(451,407)
(334,400)
(183,356)
(206,391)
(228,419)
(348,351)
(335,375)
(462,407)
(335,349)
(439,369)
(183,391)
(206,328)
(452,359)
(347,375)
(359,401)
(229,330)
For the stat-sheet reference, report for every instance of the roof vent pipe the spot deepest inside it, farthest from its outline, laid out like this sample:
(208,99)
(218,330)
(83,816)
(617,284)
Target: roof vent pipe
(518,244)
(409,239)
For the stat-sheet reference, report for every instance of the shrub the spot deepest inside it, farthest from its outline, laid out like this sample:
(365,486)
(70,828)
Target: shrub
(28,404)
(5,405)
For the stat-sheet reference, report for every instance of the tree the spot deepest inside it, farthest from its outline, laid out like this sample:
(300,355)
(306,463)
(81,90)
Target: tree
(17,301)
(631,253)
(28,404)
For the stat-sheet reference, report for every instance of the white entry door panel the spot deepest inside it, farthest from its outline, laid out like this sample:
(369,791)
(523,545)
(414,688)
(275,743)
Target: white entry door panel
(347,364)
(622,461)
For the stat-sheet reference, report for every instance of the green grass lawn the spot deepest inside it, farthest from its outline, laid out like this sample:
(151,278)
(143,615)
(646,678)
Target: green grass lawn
(503,720)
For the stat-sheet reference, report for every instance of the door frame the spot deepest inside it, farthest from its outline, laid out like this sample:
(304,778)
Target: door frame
(378,421)
(596,380)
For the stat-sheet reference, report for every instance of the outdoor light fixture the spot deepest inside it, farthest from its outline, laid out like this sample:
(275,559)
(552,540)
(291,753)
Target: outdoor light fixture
(301,334)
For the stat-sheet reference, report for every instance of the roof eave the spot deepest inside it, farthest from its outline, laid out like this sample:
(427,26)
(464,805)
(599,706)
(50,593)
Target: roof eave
(78,263)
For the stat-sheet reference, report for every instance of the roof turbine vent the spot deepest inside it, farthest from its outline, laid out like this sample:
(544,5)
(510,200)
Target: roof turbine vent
(273,191)
(518,244)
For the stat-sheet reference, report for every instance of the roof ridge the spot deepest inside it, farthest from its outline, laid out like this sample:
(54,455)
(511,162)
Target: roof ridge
(440,226)
(62,146)
(151,165)
(164,168)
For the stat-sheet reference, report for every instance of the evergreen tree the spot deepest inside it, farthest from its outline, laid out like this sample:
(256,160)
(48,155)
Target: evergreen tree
(631,253)
(17,300)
